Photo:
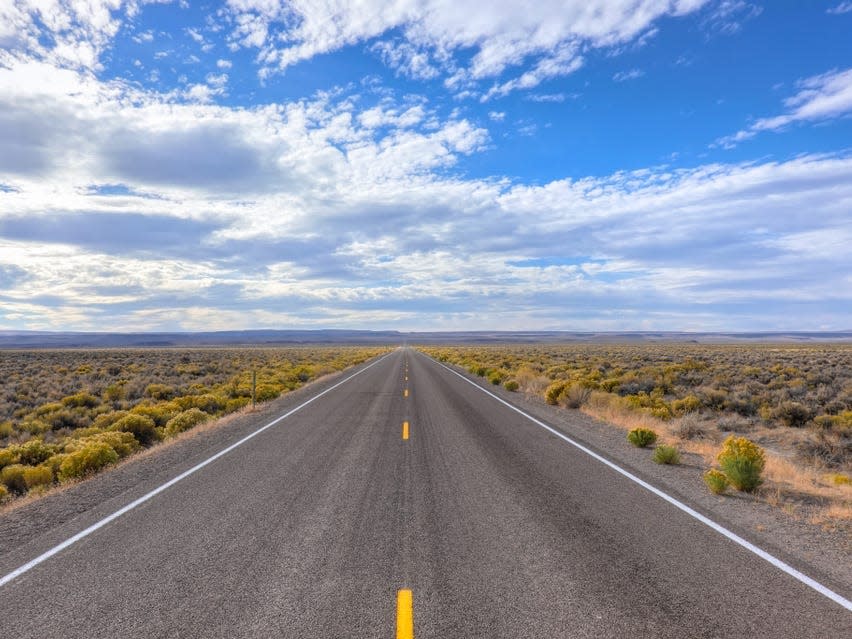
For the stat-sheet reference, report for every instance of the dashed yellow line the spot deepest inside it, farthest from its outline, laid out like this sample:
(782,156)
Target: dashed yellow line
(404,615)
(405,430)
(405,393)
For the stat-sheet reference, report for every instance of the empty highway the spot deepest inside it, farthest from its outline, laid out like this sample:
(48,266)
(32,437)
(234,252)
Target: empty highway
(403,501)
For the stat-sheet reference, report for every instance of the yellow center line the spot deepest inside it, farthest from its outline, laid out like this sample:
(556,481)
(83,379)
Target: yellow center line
(405,394)
(405,430)
(404,615)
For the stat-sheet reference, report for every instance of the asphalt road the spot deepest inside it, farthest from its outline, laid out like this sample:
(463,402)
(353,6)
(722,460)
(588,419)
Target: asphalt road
(497,527)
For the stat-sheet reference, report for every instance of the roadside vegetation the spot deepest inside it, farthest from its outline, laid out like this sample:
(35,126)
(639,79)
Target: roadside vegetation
(772,419)
(71,413)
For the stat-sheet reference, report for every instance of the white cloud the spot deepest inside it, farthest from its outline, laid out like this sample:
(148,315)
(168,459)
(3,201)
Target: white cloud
(224,64)
(497,116)
(406,59)
(624,76)
(843,7)
(66,33)
(550,33)
(821,97)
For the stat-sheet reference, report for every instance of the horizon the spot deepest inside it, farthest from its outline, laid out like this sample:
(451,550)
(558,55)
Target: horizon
(677,166)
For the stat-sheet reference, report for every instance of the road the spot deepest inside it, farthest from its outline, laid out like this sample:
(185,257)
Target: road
(330,522)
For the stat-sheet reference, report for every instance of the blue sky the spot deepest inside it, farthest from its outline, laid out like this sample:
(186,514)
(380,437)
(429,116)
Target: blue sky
(426,164)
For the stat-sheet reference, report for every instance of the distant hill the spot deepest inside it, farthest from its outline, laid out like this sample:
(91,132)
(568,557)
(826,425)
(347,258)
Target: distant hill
(42,339)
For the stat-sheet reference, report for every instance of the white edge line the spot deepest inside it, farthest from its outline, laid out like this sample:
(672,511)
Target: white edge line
(147,496)
(772,559)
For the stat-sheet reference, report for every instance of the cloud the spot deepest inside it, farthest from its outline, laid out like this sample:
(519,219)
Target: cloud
(843,7)
(467,42)
(148,212)
(820,97)
(624,76)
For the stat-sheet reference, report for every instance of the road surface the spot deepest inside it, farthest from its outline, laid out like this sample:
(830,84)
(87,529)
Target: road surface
(404,500)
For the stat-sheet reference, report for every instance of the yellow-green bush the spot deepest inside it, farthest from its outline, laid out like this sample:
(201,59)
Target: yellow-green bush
(742,461)
(716,481)
(13,478)
(81,400)
(688,404)
(37,476)
(511,385)
(104,421)
(207,402)
(160,413)
(4,492)
(159,391)
(554,391)
(185,421)
(123,443)
(641,437)
(35,452)
(666,455)
(142,428)
(87,460)
(9,456)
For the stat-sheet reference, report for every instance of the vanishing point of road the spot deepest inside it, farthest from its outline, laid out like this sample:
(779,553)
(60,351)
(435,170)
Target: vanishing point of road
(403,501)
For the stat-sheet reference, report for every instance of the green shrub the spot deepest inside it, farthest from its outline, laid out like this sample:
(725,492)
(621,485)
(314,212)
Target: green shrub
(263,393)
(13,478)
(511,385)
(666,455)
(159,391)
(104,421)
(554,391)
(142,428)
(123,443)
(81,400)
(88,460)
(688,404)
(4,493)
(9,456)
(38,476)
(236,404)
(160,413)
(185,421)
(742,461)
(641,437)
(35,452)
(716,481)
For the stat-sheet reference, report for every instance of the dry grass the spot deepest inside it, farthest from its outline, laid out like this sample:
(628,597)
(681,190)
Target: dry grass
(789,485)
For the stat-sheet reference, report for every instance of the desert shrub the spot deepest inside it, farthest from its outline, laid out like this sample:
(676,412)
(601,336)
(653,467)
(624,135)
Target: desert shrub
(236,404)
(495,377)
(716,481)
(841,480)
(826,448)
(690,427)
(734,425)
(207,402)
(264,393)
(554,391)
(641,437)
(4,493)
(841,423)
(185,421)
(123,443)
(793,414)
(160,413)
(9,456)
(575,395)
(742,461)
(87,460)
(7,429)
(666,455)
(37,476)
(159,391)
(511,385)
(142,428)
(35,452)
(688,404)
(104,421)
(81,400)
(13,478)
